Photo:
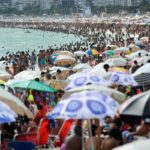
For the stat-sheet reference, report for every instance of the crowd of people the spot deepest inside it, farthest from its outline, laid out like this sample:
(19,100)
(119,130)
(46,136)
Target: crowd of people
(114,131)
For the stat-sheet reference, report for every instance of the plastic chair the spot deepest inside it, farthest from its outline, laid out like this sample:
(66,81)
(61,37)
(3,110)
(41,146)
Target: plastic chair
(18,145)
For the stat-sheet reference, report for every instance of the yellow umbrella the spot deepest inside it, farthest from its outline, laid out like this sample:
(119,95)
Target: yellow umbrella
(2,82)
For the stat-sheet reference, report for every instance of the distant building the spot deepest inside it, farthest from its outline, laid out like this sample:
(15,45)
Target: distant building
(45,4)
(5,4)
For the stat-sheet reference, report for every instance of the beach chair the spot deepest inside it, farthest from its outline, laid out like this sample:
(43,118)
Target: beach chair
(21,145)
(39,137)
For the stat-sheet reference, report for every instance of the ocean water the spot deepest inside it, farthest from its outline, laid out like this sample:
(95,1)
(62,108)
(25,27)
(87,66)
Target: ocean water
(12,40)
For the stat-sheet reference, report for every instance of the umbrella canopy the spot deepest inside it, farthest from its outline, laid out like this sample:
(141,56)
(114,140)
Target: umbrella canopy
(68,53)
(15,104)
(142,75)
(92,52)
(80,53)
(112,46)
(134,47)
(109,52)
(85,80)
(5,75)
(2,82)
(137,106)
(137,145)
(121,49)
(34,85)
(120,97)
(136,54)
(63,60)
(7,115)
(121,78)
(144,39)
(80,67)
(85,105)
(113,62)
(27,75)
(64,70)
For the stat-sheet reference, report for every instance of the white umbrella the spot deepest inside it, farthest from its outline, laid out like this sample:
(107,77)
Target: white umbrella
(80,53)
(113,62)
(85,105)
(120,97)
(27,75)
(135,54)
(15,104)
(80,67)
(142,75)
(4,75)
(121,49)
(136,145)
(85,80)
(7,115)
(65,60)
(53,70)
(68,53)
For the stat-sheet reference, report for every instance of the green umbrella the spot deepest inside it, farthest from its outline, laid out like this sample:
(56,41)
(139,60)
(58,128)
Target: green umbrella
(34,85)
(110,52)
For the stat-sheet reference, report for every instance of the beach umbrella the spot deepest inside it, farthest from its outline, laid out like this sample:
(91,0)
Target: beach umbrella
(119,69)
(64,70)
(7,115)
(85,80)
(109,52)
(80,53)
(27,75)
(135,54)
(15,104)
(121,78)
(2,82)
(144,39)
(63,60)
(33,85)
(142,75)
(92,52)
(112,46)
(85,105)
(57,84)
(137,106)
(121,49)
(136,145)
(82,66)
(5,75)
(113,62)
(118,96)
(68,53)
(134,47)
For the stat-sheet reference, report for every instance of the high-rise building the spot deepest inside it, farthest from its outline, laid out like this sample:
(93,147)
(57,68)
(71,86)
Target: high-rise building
(45,4)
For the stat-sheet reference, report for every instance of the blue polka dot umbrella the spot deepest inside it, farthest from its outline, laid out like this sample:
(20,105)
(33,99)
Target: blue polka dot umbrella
(83,80)
(84,105)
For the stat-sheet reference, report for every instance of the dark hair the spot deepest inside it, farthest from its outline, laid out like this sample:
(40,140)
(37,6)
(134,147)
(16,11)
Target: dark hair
(40,107)
(94,128)
(78,130)
(106,66)
(58,71)
(115,133)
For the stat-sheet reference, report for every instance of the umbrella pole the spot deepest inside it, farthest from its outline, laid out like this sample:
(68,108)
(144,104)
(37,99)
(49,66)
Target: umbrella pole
(91,139)
(0,137)
(83,135)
